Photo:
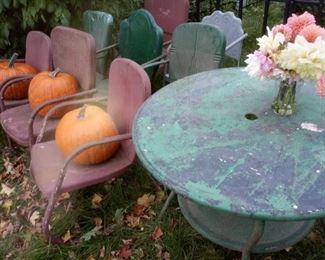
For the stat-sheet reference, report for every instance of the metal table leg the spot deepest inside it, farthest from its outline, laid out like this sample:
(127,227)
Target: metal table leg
(254,238)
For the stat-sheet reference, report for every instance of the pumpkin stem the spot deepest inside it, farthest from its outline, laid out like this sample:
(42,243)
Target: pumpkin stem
(82,112)
(12,60)
(54,72)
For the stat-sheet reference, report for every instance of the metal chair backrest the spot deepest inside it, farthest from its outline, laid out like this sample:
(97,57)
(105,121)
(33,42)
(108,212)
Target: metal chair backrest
(195,47)
(74,52)
(100,25)
(231,26)
(140,38)
(168,14)
(38,51)
(129,86)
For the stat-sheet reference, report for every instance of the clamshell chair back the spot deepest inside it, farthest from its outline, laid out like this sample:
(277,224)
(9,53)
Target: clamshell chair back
(74,52)
(231,26)
(140,38)
(195,47)
(38,51)
(168,14)
(100,25)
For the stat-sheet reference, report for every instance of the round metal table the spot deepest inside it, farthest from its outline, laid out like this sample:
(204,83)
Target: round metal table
(246,178)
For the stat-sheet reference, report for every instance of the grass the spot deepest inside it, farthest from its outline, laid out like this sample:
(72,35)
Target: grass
(108,216)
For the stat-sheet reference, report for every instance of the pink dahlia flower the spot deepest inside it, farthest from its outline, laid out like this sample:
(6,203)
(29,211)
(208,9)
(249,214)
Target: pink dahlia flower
(299,22)
(320,87)
(311,32)
(285,29)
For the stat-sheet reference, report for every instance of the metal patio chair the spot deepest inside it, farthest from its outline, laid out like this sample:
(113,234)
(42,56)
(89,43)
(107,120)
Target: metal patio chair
(129,86)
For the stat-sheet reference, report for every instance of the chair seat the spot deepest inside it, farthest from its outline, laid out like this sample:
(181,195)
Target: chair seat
(15,123)
(47,161)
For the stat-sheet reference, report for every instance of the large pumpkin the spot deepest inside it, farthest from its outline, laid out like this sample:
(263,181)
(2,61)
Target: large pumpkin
(83,125)
(49,85)
(9,69)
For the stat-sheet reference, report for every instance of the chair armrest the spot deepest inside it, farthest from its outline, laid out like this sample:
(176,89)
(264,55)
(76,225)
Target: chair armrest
(7,83)
(155,59)
(107,48)
(63,104)
(59,180)
(50,102)
(241,38)
(145,66)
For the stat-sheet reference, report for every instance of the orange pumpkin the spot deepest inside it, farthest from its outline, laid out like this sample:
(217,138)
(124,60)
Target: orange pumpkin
(9,69)
(49,85)
(83,125)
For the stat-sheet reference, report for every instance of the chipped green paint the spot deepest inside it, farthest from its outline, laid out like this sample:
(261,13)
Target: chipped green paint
(193,136)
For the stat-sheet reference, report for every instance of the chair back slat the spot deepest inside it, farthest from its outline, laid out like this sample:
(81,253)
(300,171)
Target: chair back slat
(74,52)
(195,47)
(38,51)
(140,38)
(129,86)
(231,26)
(168,14)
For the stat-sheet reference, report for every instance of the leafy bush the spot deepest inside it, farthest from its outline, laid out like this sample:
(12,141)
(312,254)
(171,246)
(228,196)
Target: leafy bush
(17,17)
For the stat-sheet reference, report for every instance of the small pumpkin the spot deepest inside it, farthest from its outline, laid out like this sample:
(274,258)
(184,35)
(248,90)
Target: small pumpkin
(49,85)
(83,125)
(9,69)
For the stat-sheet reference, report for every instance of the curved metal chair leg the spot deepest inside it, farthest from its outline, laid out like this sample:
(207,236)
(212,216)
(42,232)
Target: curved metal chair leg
(254,238)
(166,204)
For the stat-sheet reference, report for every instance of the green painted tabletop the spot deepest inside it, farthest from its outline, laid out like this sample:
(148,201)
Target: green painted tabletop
(193,137)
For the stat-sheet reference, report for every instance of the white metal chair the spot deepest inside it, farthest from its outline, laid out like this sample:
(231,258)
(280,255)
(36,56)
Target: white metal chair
(232,28)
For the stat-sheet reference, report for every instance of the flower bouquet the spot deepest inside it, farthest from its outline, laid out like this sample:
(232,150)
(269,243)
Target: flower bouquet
(290,52)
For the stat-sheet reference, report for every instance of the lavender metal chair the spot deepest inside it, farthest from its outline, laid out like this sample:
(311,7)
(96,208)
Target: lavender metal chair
(73,52)
(38,54)
(168,14)
(231,26)
(129,86)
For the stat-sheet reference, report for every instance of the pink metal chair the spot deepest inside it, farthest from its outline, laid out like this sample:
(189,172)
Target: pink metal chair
(38,54)
(168,14)
(73,51)
(129,86)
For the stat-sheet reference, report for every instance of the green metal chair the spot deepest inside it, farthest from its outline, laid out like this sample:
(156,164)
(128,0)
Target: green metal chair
(100,25)
(195,47)
(140,39)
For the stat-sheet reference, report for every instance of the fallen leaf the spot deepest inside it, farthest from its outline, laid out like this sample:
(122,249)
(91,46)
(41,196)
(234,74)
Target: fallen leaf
(64,196)
(125,251)
(6,190)
(102,252)
(98,221)
(160,195)
(96,200)
(146,200)
(92,233)
(90,258)
(7,205)
(139,210)
(34,217)
(132,221)
(288,249)
(314,236)
(156,234)
(67,236)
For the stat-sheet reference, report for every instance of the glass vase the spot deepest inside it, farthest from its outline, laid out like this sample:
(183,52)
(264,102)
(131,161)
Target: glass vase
(284,103)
